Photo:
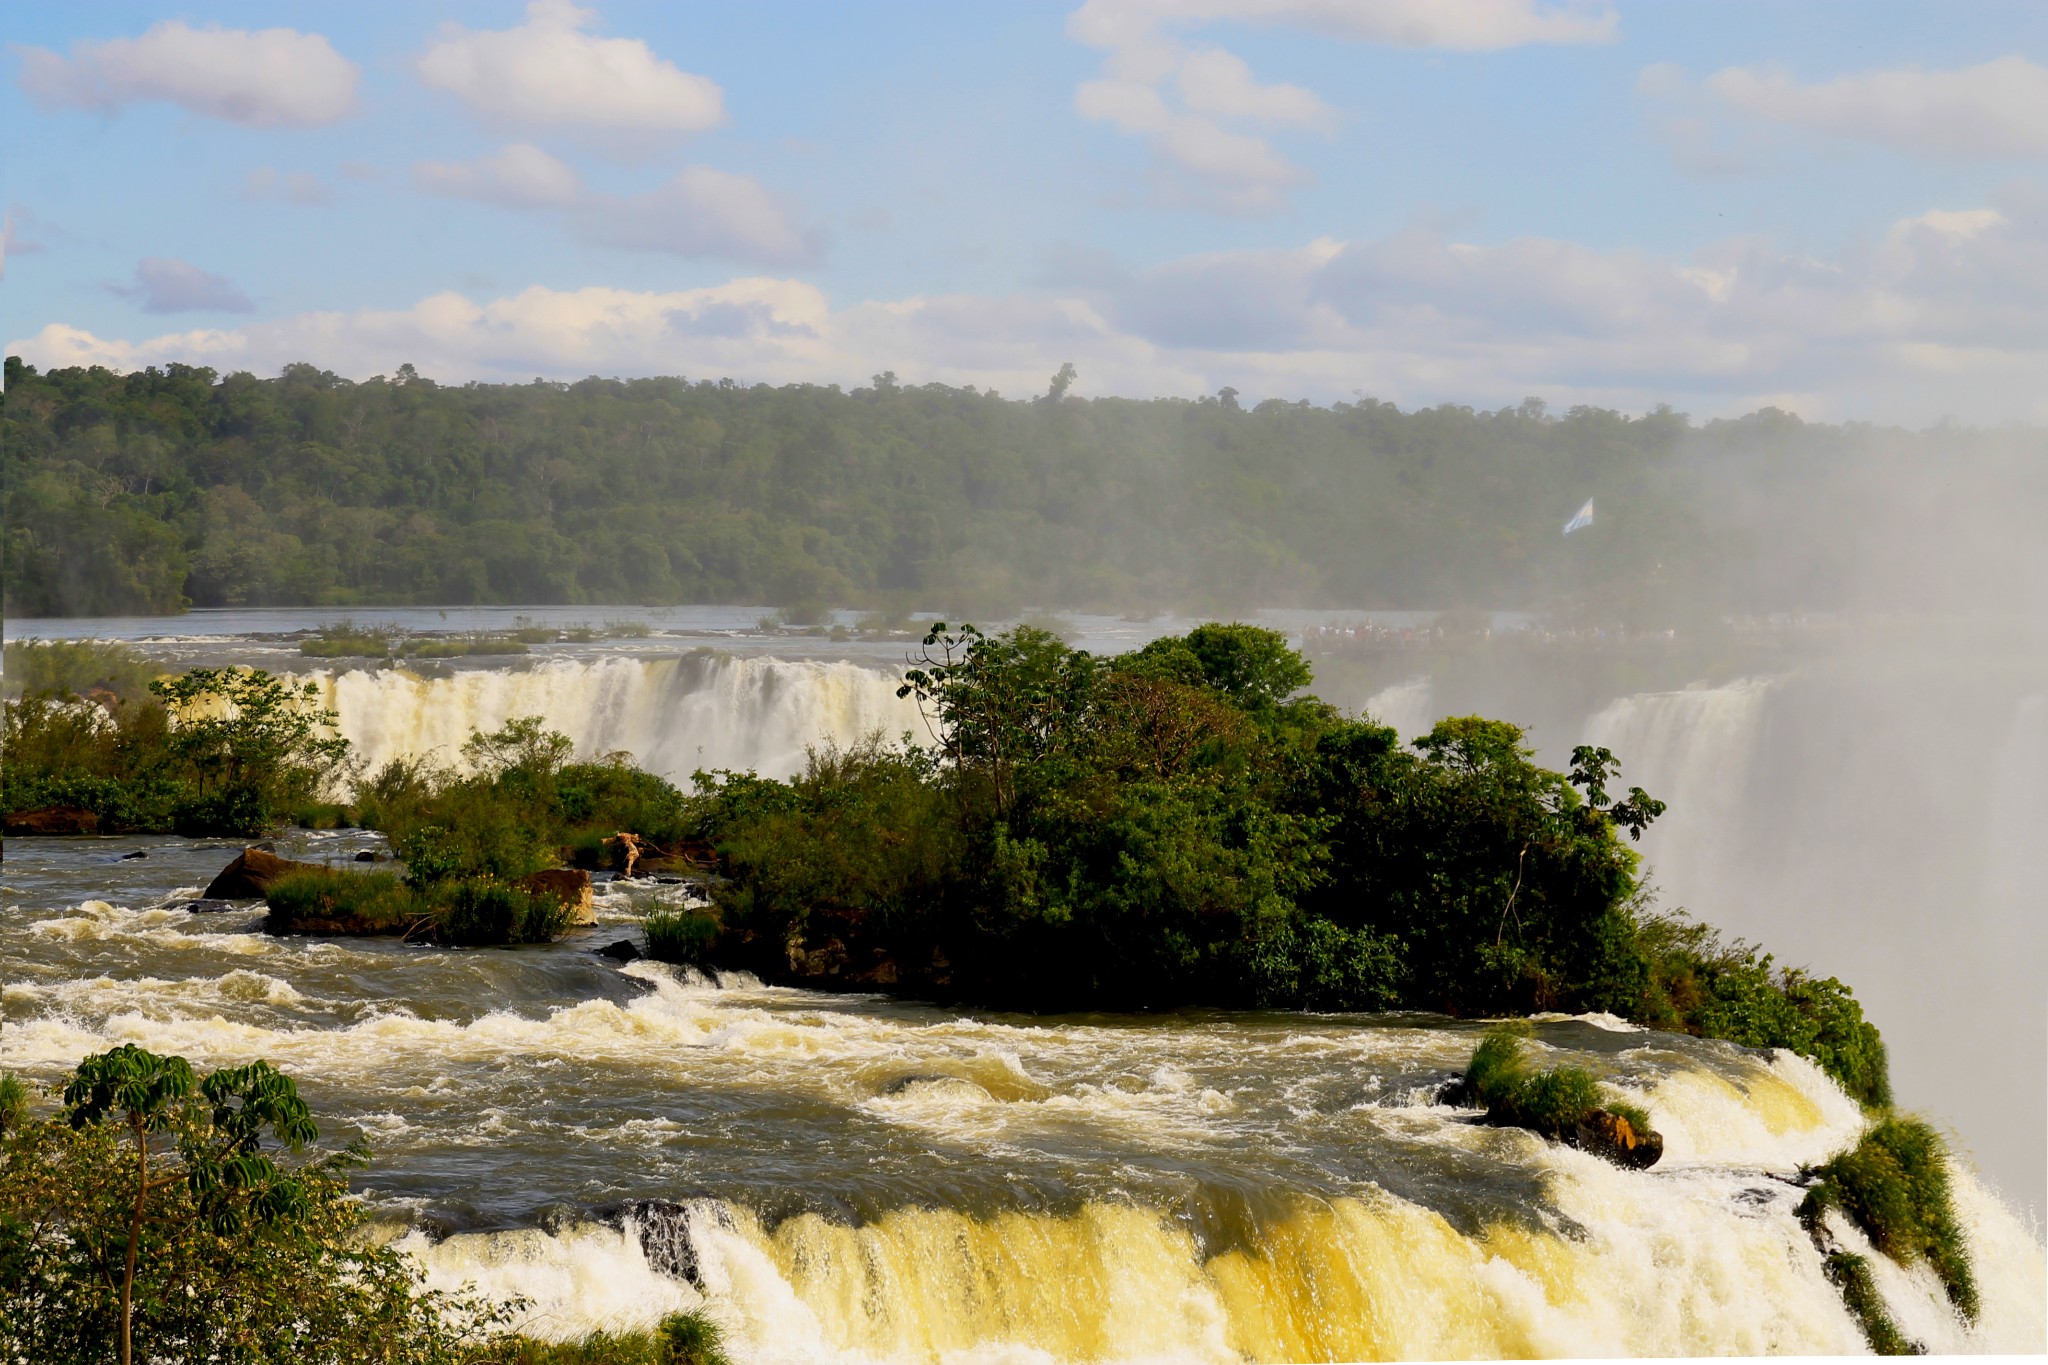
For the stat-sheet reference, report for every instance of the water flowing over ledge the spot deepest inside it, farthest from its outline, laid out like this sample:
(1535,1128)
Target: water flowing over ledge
(674,715)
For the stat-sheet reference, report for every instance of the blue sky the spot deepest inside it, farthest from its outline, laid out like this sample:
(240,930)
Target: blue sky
(1841,209)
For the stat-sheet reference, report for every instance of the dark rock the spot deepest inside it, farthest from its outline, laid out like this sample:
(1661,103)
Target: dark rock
(663,1229)
(131,857)
(250,875)
(1610,1136)
(366,856)
(53,820)
(622,951)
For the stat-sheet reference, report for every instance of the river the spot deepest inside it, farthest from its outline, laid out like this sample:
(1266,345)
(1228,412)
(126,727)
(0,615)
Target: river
(847,1178)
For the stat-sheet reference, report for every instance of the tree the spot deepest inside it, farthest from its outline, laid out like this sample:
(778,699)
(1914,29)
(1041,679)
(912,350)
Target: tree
(254,745)
(165,1216)
(1061,382)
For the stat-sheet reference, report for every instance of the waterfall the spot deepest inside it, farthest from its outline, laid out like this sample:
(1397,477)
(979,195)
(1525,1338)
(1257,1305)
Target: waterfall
(673,716)
(1406,706)
(1694,750)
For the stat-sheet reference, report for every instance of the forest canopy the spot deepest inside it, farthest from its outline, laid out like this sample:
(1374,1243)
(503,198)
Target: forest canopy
(156,490)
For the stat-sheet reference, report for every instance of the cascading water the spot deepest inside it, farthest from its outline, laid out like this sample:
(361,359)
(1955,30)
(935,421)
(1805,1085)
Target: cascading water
(842,1178)
(851,1179)
(1694,750)
(674,715)
(1409,707)
(1881,822)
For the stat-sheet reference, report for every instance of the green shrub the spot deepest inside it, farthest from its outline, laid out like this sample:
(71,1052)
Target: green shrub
(347,640)
(1894,1185)
(1850,1275)
(1552,1103)
(372,902)
(1497,1069)
(1816,1017)
(1637,1116)
(250,1250)
(681,936)
(13,1102)
(679,1339)
(478,912)
(74,668)
(470,646)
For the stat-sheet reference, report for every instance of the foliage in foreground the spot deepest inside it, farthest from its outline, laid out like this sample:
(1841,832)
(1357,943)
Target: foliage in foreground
(47,668)
(165,1216)
(1894,1185)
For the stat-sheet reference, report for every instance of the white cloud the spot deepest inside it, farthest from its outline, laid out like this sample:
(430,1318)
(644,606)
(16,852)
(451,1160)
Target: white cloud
(1234,172)
(519,176)
(166,285)
(299,187)
(1213,81)
(699,212)
(1996,110)
(1946,312)
(1458,25)
(702,212)
(271,78)
(1207,162)
(550,74)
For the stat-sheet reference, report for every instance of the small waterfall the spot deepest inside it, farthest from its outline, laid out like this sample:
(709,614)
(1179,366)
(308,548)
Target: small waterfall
(1650,1269)
(1409,707)
(674,716)
(1694,750)
(2016,835)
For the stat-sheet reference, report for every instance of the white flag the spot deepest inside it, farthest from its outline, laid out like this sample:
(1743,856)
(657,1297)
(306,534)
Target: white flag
(1582,519)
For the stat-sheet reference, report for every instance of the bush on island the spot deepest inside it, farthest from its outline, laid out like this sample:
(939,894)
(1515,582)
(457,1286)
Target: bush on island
(1563,1104)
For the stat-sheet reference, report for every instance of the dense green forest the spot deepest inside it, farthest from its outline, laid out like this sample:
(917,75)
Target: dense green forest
(160,489)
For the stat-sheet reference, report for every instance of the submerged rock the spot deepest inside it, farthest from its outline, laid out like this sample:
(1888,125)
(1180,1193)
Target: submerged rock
(622,951)
(53,820)
(250,875)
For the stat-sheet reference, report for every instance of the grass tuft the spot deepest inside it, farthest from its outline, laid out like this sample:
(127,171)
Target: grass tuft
(1850,1274)
(680,936)
(680,1339)
(1894,1185)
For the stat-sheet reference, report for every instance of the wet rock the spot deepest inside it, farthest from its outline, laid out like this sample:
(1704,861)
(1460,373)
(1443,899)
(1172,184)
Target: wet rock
(1611,1136)
(250,875)
(366,856)
(1455,1093)
(663,1229)
(131,857)
(622,951)
(570,884)
(53,820)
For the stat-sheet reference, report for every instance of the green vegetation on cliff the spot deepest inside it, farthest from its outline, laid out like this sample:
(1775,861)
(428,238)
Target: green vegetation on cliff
(149,491)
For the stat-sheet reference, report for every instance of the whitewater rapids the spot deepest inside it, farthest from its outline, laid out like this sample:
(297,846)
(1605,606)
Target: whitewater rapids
(854,1179)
